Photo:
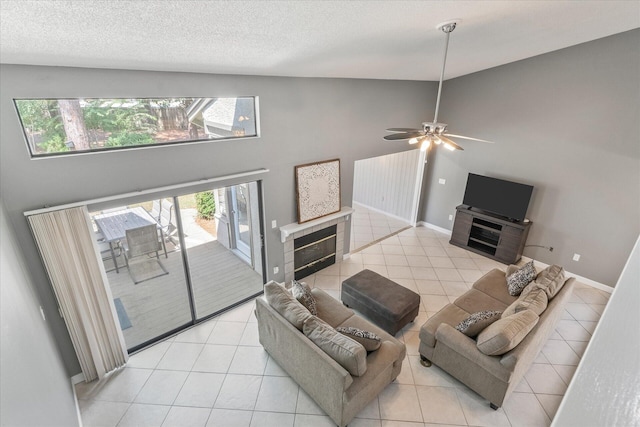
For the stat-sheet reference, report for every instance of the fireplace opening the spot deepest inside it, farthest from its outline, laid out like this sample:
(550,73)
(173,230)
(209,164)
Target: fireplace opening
(314,252)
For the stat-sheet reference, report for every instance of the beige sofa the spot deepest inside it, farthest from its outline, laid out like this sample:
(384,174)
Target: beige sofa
(492,377)
(340,394)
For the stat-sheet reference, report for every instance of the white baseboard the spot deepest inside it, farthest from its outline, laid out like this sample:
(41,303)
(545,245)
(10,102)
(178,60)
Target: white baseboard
(346,256)
(381,212)
(77,379)
(75,396)
(434,227)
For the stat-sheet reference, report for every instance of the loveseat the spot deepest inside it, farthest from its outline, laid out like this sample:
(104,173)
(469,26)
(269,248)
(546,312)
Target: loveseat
(492,376)
(339,393)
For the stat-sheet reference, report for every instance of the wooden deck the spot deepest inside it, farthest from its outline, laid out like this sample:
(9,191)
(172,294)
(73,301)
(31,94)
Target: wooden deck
(160,304)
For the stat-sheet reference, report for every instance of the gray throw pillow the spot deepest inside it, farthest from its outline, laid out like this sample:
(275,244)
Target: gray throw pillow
(503,335)
(350,354)
(285,304)
(551,279)
(302,292)
(369,340)
(474,324)
(517,281)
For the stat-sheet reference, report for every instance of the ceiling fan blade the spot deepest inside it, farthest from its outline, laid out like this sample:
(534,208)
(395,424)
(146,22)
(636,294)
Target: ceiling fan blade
(469,138)
(403,130)
(450,142)
(407,135)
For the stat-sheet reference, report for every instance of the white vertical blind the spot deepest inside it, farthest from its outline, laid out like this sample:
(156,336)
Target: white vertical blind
(66,244)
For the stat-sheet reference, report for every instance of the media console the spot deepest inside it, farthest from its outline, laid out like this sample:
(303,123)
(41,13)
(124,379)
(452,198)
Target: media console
(489,235)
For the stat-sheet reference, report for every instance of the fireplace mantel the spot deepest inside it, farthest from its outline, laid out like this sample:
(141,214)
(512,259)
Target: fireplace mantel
(290,229)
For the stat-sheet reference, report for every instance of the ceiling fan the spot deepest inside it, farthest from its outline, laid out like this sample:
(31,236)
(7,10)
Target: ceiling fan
(433,132)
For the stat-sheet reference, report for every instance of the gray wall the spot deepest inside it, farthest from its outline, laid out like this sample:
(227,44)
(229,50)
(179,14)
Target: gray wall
(566,122)
(35,389)
(302,121)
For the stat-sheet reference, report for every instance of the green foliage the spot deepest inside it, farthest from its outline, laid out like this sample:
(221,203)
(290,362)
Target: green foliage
(205,204)
(41,116)
(54,145)
(118,115)
(128,139)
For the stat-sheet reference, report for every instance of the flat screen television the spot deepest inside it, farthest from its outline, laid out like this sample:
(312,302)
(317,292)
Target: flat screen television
(505,198)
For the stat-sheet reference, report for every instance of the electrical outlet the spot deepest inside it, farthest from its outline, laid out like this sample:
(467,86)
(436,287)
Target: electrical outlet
(274,224)
(442,181)
(450,217)
(276,270)
(576,257)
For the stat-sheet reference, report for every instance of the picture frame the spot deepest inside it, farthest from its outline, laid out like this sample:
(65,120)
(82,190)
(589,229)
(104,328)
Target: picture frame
(317,189)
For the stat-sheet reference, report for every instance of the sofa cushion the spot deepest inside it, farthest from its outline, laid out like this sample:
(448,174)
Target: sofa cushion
(517,281)
(503,335)
(552,279)
(494,283)
(302,292)
(369,340)
(474,324)
(533,297)
(330,309)
(285,304)
(451,314)
(474,300)
(350,354)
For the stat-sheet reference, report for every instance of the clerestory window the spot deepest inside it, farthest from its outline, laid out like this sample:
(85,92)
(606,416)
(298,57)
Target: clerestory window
(80,125)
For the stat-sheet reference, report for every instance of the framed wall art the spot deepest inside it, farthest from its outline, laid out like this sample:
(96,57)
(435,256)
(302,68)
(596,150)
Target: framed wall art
(317,189)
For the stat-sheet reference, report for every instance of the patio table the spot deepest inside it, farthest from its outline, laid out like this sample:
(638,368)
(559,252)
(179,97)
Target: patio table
(114,225)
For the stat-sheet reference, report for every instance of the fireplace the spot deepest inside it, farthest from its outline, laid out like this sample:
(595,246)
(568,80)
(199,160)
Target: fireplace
(314,252)
(302,246)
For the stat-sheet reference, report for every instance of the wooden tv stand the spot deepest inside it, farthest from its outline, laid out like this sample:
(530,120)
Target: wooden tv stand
(490,235)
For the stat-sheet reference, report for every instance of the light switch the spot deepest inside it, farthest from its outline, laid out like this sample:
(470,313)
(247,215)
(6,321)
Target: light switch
(274,224)
(442,181)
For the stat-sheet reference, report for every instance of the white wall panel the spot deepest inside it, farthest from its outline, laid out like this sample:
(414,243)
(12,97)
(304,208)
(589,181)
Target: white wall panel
(388,183)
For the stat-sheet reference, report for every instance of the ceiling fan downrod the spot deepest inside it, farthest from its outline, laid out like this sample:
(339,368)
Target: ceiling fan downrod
(447,28)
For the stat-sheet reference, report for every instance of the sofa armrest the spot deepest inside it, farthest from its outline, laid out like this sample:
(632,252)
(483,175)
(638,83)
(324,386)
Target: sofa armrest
(466,347)
(317,373)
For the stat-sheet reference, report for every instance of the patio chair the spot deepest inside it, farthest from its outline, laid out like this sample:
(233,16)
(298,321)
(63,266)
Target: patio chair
(155,210)
(169,230)
(105,249)
(142,244)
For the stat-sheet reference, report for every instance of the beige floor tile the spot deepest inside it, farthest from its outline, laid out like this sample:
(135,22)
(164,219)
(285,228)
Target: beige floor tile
(197,334)
(430,287)
(277,394)
(477,411)
(544,379)
(150,357)
(215,358)
(249,361)
(306,405)
(272,419)
(181,356)
(200,389)
(523,409)
(400,402)
(144,415)
(304,420)
(550,403)
(162,387)
(239,392)
(181,416)
(122,385)
(101,414)
(228,333)
(440,405)
(229,418)
(559,353)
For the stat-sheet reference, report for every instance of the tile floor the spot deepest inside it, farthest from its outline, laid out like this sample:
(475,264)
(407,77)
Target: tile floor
(217,374)
(368,226)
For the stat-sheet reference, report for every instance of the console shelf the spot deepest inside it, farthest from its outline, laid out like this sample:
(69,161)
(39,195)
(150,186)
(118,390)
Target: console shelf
(489,235)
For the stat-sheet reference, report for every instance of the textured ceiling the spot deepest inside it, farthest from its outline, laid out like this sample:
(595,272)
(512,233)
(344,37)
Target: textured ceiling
(356,39)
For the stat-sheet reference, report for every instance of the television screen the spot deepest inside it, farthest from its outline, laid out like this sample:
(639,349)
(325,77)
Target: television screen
(505,198)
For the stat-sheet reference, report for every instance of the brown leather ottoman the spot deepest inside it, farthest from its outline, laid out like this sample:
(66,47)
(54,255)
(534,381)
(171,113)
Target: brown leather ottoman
(386,303)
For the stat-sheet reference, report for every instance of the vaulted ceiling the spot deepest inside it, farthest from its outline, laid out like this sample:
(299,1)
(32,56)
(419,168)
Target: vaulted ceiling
(353,39)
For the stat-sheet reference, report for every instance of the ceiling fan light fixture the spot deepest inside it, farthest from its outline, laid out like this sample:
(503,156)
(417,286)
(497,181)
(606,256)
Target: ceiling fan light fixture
(449,146)
(413,141)
(426,143)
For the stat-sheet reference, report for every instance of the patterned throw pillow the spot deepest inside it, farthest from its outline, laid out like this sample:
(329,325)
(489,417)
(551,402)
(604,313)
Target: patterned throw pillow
(517,281)
(369,340)
(474,324)
(302,292)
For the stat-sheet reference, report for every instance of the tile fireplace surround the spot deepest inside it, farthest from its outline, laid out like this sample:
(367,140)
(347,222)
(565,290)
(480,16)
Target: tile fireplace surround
(290,232)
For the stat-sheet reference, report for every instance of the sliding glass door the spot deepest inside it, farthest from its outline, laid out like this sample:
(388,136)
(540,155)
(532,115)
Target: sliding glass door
(177,260)
(145,269)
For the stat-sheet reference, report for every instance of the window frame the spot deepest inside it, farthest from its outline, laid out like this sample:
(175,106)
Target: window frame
(62,154)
